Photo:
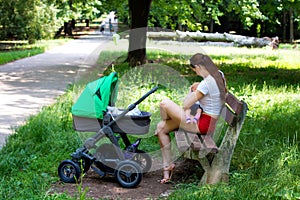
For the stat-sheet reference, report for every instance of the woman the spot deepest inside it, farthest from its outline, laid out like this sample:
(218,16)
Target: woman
(210,93)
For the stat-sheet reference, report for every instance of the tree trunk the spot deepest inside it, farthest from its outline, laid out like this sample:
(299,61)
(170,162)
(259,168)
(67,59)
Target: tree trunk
(284,27)
(291,25)
(211,29)
(238,40)
(139,12)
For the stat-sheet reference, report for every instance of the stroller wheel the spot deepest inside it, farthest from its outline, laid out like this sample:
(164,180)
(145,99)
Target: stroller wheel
(128,174)
(68,171)
(143,160)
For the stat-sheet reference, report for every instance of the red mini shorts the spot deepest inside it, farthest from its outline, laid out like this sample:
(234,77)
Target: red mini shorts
(206,124)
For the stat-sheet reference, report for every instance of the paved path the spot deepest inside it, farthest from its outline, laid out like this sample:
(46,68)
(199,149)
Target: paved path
(28,84)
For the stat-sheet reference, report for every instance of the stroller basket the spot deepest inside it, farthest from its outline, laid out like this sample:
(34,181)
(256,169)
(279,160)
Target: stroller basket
(130,124)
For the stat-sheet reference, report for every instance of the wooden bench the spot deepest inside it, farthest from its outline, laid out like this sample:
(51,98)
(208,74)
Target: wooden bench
(204,149)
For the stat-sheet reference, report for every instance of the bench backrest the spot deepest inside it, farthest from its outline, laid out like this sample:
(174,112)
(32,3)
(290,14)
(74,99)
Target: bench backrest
(233,107)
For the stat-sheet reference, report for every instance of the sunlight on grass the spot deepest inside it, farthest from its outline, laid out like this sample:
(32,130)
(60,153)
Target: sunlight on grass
(14,50)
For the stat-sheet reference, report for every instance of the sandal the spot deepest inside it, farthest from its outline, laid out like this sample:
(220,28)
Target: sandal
(168,171)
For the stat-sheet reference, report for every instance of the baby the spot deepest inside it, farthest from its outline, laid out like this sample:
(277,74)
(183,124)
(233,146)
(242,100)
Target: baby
(198,111)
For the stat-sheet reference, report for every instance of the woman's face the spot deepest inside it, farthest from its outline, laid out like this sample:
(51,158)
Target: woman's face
(200,71)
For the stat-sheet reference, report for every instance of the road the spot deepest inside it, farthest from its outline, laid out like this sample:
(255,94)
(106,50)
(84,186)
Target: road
(31,83)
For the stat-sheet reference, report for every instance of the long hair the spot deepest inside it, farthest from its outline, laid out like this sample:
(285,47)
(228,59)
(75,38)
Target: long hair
(204,60)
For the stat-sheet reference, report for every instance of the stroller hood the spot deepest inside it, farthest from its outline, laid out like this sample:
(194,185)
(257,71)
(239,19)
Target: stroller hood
(96,96)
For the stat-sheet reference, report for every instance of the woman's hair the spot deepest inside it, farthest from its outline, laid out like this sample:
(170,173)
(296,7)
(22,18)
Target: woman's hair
(205,61)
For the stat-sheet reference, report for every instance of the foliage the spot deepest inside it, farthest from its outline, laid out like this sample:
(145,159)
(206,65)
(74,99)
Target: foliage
(29,20)
(265,164)
(248,11)
(78,9)
(33,20)
(199,15)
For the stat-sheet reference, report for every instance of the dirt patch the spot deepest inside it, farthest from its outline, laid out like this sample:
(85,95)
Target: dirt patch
(108,188)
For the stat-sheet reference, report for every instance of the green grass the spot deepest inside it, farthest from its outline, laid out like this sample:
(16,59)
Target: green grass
(14,50)
(266,161)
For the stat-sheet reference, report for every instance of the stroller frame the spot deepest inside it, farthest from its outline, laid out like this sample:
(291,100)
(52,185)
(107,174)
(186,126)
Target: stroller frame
(127,166)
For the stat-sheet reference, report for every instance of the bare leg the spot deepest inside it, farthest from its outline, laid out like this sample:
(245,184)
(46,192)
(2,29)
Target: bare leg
(173,117)
(163,110)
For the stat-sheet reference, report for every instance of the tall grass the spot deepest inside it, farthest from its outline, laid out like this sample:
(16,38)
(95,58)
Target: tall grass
(28,162)
(14,50)
(265,164)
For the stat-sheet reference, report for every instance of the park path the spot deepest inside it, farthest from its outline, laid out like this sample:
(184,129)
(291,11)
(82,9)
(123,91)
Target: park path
(31,83)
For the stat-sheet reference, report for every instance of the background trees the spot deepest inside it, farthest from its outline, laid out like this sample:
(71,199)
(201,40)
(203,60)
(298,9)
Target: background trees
(26,19)
(34,19)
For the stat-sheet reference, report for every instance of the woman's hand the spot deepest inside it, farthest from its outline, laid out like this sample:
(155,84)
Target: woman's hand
(194,86)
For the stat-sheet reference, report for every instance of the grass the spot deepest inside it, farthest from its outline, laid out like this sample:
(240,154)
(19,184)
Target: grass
(265,164)
(14,50)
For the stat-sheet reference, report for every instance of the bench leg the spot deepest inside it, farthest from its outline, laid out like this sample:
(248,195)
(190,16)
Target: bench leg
(209,146)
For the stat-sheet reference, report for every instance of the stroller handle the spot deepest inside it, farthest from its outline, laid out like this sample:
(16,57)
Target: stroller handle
(132,106)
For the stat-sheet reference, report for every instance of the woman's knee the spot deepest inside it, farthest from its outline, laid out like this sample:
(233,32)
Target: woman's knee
(165,103)
(160,126)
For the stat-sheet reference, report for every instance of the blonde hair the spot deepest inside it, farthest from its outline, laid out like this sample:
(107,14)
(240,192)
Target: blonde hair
(205,61)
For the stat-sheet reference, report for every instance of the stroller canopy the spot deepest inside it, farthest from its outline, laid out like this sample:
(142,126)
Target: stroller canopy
(96,96)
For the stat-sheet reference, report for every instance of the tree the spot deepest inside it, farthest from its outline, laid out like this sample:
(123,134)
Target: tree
(178,15)
(30,20)
(292,8)
(136,14)
(139,13)
(280,16)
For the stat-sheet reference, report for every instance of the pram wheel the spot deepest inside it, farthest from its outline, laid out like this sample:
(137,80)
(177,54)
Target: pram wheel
(128,174)
(68,171)
(143,160)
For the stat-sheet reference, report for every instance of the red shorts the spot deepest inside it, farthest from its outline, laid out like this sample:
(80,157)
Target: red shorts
(206,124)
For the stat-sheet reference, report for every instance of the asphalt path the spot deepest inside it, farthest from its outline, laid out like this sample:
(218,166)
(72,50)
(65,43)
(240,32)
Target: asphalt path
(29,84)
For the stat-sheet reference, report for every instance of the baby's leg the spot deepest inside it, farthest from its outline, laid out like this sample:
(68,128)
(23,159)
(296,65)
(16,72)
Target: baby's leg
(197,116)
(188,115)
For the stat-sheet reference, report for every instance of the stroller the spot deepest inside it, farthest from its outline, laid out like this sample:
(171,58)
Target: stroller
(90,114)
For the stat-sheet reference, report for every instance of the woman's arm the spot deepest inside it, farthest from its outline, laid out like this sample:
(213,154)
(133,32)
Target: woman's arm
(191,99)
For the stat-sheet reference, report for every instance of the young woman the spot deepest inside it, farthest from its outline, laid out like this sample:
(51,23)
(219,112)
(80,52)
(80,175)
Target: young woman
(210,94)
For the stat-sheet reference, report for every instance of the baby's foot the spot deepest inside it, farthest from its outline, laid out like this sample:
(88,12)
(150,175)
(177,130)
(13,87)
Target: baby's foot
(188,120)
(195,120)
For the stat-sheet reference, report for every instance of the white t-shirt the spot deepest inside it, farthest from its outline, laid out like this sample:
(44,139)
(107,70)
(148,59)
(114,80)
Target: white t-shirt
(211,103)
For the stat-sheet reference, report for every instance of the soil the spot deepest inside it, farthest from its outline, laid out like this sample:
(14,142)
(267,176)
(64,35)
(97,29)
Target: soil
(149,188)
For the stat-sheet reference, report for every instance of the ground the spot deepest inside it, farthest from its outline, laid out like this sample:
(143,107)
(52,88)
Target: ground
(149,188)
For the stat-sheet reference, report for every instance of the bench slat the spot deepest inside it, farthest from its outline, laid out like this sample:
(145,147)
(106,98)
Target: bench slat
(182,142)
(229,117)
(233,107)
(234,104)
(186,140)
